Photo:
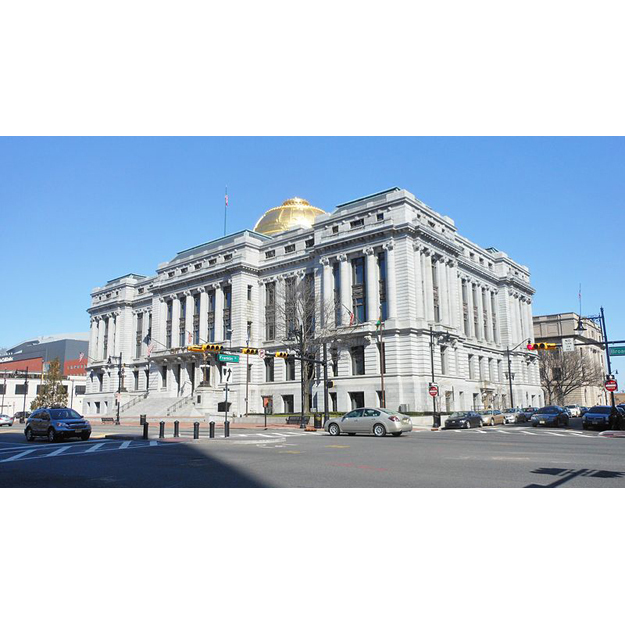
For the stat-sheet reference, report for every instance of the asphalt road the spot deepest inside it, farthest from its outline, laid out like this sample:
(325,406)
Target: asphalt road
(501,456)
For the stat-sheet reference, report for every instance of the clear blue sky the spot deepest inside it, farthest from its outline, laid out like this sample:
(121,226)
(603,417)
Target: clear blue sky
(77,212)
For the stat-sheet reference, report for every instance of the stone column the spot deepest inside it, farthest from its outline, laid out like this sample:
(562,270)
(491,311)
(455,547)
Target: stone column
(373,285)
(219,314)
(489,316)
(428,291)
(346,284)
(175,323)
(471,333)
(161,331)
(203,315)
(261,329)
(93,340)
(443,294)
(480,312)
(328,293)
(188,324)
(112,346)
(391,281)
(419,279)
(101,326)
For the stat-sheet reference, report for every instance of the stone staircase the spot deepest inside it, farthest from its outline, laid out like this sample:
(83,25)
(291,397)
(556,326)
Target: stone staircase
(162,407)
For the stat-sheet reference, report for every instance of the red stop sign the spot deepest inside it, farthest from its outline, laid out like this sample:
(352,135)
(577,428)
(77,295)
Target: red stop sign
(611,386)
(433,390)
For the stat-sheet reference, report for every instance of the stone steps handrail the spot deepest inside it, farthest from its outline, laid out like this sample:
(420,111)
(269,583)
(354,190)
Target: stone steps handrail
(179,404)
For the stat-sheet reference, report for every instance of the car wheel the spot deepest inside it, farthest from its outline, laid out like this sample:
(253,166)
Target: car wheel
(379,429)
(85,437)
(534,425)
(30,437)
(492,422)
(10,425)
(468,425)
(51,435)
(334,429)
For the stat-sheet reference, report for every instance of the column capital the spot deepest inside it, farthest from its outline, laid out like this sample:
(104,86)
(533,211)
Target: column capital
(369,251)
(342,258)
(389,245)
(325,261)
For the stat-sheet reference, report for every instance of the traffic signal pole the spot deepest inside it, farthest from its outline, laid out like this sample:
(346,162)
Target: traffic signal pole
(607,356)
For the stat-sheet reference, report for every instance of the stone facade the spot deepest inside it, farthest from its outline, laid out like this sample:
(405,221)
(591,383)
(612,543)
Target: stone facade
(387,254)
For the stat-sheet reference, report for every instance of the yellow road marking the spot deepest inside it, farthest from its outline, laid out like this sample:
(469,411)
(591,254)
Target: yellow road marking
(338,446)
(289,452)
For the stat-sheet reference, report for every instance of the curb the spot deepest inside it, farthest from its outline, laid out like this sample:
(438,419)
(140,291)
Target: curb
(220,439)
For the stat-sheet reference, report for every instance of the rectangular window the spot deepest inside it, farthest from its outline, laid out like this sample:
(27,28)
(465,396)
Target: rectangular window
(106,338)
(289,249)
(435,295)
(334,357)
(270,254)
(359,297)
(182,322)
(358,223)
(3,389)
(170,314)
(476,320)
(335,229)
(480,368)
(20,389)
(164,376)
(211,316)
(269,370)
(336,279)
(333,402)
(471,367)
(227,257)
(270,311)
(249,292)
(310,242)
(485,313)
(288,403)
(380,217)
(139,335)
(80,389)
(500,370)
(212,261)
(383,312)
(358,360)
(465,308)
(135,375)
(493,306)
(290,368)
(309,303)
(290,319)
(196,319)
(227,311)
(184,270)
(443,360)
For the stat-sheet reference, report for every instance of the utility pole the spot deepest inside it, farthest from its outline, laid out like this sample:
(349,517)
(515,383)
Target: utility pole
(607,356)
(326,412)
(510,376)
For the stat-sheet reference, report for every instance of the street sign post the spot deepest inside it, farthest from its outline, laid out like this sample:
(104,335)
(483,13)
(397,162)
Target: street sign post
(617,351)
(433,390)
(611,386)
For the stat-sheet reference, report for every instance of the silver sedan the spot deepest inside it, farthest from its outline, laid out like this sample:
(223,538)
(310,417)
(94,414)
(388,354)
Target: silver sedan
(376,421)
(6,420)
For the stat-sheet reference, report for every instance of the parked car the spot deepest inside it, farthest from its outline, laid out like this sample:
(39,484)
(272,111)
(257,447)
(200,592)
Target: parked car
(377,421)
(603,418)
(466,419)
(491,417)
(582,411)
(22,416)
(513,415)
(6,420)
(56,424)
(575,410)
(551,416)
(527,414)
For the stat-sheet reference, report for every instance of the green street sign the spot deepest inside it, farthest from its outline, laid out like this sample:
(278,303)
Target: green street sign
(617,351)
(227,358)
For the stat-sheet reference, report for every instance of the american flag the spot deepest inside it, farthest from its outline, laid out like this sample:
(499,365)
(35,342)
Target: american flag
(150,349)
(351,318)
(81,357)
(189,338)
(226,198)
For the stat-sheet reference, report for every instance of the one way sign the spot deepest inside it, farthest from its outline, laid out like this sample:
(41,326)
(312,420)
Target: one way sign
(227,375)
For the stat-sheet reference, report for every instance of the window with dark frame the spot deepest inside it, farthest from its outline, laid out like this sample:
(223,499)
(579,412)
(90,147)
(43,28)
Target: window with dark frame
(270,311)
(358,359)
(211,316)
(383,312)
(359,296)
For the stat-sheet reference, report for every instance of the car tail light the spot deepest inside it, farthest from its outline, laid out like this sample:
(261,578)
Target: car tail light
(394,418)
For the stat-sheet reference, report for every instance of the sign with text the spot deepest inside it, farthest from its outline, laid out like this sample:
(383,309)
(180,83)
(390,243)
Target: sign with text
(228,358)
(617,351)
(568,345)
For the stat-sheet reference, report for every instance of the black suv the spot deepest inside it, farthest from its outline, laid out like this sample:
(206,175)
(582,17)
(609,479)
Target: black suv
(56,424)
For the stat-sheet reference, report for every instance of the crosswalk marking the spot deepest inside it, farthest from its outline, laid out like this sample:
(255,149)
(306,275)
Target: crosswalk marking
(95,447)
(153,443)
(554,434)
(530,433)
(125,445)
(21,455)
(58,451)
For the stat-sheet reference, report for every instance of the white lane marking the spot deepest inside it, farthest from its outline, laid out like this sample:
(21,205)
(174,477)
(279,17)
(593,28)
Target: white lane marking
(503,431)
(18,456)
(58,451)
(153,443)
(95,447)
(530,433)
(554,434)
(125,445)
(480,431)
(269,435)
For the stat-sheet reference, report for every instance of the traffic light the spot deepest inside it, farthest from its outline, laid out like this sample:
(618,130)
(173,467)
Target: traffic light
(195,348)
(538,346)
(250,350)
(281,354)
(211,347)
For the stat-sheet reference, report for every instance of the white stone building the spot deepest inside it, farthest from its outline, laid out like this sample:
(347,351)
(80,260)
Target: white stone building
(386,254)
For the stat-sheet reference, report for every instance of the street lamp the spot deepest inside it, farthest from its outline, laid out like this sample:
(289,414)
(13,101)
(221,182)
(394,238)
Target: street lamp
(442,338)
(120,383)
(580,329)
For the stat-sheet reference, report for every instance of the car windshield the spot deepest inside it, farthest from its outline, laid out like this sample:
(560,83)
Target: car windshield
(458,414)
(510,410)
(66,414)
(548,410)
(601,410)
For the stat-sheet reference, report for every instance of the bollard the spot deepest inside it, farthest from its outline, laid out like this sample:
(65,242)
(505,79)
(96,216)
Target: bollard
(176,429)
(142,419)
(226,429)
(196,430)
(146,425)
(161,429)
(317,421)
(211,429)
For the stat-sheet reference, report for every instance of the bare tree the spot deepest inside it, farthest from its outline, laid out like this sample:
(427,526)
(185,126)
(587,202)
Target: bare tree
(305,322)
(562,373)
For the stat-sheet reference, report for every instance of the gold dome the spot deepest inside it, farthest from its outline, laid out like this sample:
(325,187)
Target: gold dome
(294,213)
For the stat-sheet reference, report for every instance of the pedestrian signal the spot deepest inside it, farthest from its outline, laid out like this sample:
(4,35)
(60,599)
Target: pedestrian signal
(330,383)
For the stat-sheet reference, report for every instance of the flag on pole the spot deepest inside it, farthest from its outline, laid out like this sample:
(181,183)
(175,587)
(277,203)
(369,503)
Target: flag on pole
(351,318)
(148,337)
(81,356)
(226,197)
(189,338)
(150,346)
